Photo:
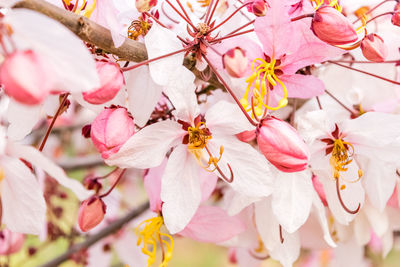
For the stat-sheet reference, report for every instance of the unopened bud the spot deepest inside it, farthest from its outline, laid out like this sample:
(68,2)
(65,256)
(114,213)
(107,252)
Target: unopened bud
(332,27)
(145,5)
(111,129)
(235,62)
(111,81)
(373,48)
(10,242)
(25,77)
(281,145)
(91,213)
(396,15)
(258,7)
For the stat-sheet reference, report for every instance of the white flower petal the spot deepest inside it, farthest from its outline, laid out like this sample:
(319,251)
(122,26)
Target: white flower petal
(292,199)
(319,211)
(143,94)
(379,221)
(379,180)
(251,171)
(37,159)
(268,227)
(160,41)
(180,189)
(24,208)
(22,119)
(71,63)
(226,118)
(148,147)
(180,90)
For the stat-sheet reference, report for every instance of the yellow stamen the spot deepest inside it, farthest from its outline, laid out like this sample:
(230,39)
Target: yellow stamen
(78,11)
(149,235)
(90,9)
(332,3)
(340,159)
(260,90)
(204,3)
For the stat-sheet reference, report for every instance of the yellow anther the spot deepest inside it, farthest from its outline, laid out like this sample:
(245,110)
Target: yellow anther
(263,71)
(342,187)
(258,111)
(257,84)
(244,102)
(90,9)
(341,158)
(67,2)
(78,11)
(282,103)
(149,235)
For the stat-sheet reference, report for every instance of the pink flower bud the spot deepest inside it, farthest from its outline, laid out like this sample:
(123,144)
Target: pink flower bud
(145,5)
(332,27)
(25,77)
(396,15)
(258,7)
(247,136)
(10,242)
(111,81)
(111,129)
(373,48)
(282,146)
(235,62)
(91,213)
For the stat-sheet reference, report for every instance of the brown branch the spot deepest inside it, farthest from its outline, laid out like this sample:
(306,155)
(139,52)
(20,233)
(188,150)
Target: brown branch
(99,36)
(88,30)
(91,240)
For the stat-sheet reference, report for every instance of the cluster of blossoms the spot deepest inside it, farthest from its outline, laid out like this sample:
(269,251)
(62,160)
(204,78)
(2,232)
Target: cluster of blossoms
(270,127)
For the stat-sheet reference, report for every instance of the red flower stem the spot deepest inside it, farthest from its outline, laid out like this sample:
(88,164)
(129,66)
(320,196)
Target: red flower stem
(367,62)
(319,102)
(341,200)
(108,174)
(114,185)
(372,9)
(229,17)
(240,28)
(230,36)
(53,121)
(364,72)
(156,58)
(380,15)
(208,21)
(205,16)
(280,234)
(310,15)
(229,91)
(155,19)
(183,10)
(340,103)
(181,15)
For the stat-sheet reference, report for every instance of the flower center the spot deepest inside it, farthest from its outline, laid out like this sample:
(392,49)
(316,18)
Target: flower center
(198,136)
(196,139)
(264,76)
(88,10)
(149,235)
(203,28)
(342,156)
